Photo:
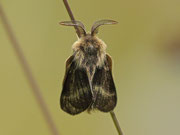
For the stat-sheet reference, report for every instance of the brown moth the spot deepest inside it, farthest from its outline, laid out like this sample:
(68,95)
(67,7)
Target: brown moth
(88,83)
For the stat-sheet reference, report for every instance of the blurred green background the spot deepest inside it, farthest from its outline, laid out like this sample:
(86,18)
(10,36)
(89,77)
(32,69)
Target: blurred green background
(145,47)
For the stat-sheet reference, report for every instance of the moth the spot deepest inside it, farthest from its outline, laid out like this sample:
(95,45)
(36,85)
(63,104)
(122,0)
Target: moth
(88,82)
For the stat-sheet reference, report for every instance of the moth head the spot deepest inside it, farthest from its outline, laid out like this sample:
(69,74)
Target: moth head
(95,27)
(77,24)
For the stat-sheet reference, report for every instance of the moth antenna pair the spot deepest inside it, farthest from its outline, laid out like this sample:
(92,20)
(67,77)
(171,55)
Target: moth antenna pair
(94,29)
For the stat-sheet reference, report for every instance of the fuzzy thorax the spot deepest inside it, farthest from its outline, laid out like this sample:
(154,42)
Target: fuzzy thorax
(89,51)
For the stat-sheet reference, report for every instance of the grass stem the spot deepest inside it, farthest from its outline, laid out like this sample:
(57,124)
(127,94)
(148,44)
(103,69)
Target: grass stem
(28,73)
(116,123)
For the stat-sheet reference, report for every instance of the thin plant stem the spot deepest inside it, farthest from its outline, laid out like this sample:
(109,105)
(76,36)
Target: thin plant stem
(71,16)
(116,123)
(28,73)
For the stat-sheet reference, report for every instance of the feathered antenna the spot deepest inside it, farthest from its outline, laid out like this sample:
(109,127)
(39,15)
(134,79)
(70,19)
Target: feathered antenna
(95,27)
(78,24)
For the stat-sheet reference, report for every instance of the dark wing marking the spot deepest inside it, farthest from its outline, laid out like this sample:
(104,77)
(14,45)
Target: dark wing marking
(104,88)
(76,95)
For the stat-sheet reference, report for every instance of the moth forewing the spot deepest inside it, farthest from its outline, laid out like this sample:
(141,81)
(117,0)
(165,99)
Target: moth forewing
(76,95)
